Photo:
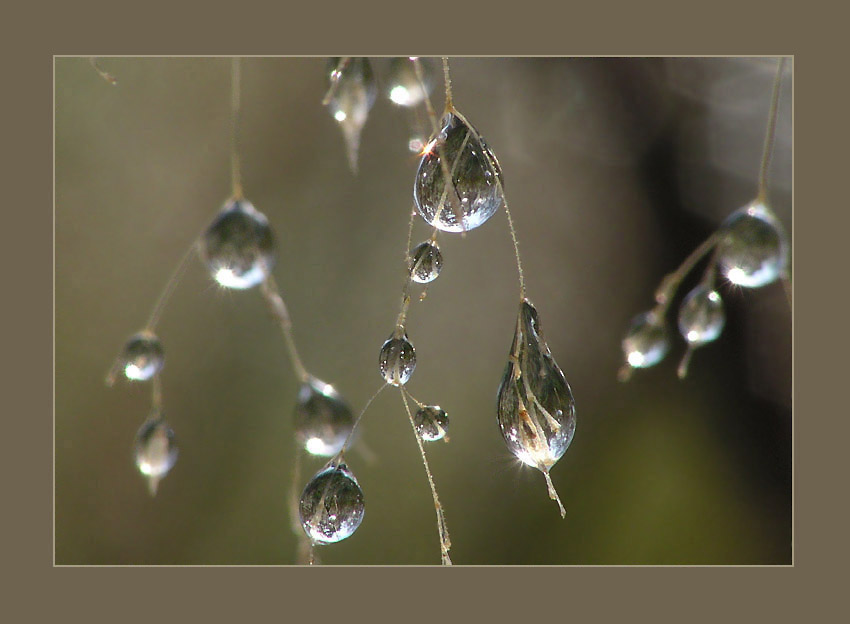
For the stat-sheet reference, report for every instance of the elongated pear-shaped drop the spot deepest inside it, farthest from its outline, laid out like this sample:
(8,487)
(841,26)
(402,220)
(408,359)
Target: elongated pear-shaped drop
(323,419)
(352,93)
(156,450)
(536,410)
(473,196)
(701,320)
(331,506)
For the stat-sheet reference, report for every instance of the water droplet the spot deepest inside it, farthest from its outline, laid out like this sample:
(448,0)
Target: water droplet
(752,248)
(331,505)
(156,450)
(647,341)
(536,411)
(701,316)
(404,87)
(238,247)
(397,359)
(353,92)
(141,359)
(432,423)
(323,420)
(474,195)
(427,262)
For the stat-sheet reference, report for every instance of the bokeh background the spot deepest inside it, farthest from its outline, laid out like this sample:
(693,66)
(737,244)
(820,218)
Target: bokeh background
(615,169)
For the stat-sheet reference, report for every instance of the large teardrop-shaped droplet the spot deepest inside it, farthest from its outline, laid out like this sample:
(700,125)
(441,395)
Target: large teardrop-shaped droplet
(323,419)
(238,247)
(646,342)
(474,194)
(331,506)
(352,93)
(536,410)
(427,262)
(404,88)
(752,248)
(141,358)
(156,450)
(397,359)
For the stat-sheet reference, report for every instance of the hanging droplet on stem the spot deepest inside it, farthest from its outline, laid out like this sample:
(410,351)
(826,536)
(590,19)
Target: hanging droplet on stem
(352,93)
(323,420)
(238,247)
(397,358)
(645,344)
(156,450)
(141,358)
(473,195)
(432,423)
(404,88)
(426,263)
(331,506)
(536,410)
(701,320)
(752,248)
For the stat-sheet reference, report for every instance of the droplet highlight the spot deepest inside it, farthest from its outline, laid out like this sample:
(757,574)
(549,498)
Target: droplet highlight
(426,263)
(141,359)
(752,248)
(323,420)
(432,423)
(404,87)
(238,247)
(156,451)
(331,506)
(474,195)
(397,359)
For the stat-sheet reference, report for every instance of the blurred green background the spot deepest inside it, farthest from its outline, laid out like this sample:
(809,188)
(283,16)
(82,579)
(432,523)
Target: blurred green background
(615,169)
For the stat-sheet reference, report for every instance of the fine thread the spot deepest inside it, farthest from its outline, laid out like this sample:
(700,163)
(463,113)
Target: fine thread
(770,133)
(235,108)
(278,308)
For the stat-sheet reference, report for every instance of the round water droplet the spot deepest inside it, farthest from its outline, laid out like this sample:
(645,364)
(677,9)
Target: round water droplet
(397,359)
(156,450)
(331,506)
(427,262)
(353,92)
(536,411)
(647,341)
(432,423)
(323,420)
(701,316)
(238,246)
(142,357)
(752,248)
(404,88)
(474,196)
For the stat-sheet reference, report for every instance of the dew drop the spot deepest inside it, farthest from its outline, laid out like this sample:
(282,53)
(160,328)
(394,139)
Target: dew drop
(141,359)
(323,419)
(474,195)
(404,88)
(238,247)
(752,248)
(701,316)
(397,358)
(427,262)
(331,506)
(536,410)
(432,423)
(156,450)
(646,342)
(352,94)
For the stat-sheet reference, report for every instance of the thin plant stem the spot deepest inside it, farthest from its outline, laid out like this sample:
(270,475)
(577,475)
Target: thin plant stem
(335,75)
(770,132)
(156,394)
(103,74)
(278,308)
(667,289)
(448,82)
(338,456)
(170,287)
(235,110)
(442,528)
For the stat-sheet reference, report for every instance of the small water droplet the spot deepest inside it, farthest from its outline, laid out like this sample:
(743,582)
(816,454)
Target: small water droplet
(397,358)
(701,316)
(353,92)
(331,506)
(238,247)
(432,423)
(323,419)
(427,262)
(752,248)
(141,359)
(647,341)
(474,195)
(404,88)
(156,450)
